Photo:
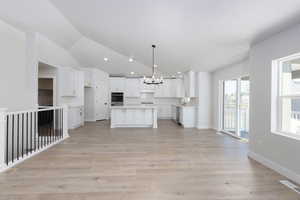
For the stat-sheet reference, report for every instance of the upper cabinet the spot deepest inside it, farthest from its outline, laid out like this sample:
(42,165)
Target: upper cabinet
(171,88)
(68,79)
(189,80)
(178,88)
(132,87)
(88,78)
(117,84)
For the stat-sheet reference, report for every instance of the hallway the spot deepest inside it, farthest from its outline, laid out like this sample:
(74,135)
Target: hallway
(169,163)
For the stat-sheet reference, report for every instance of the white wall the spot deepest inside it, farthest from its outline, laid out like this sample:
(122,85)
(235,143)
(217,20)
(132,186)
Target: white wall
(20,53)
(17,85)
(53,54)
(203,93)
(278,151)
(234,71)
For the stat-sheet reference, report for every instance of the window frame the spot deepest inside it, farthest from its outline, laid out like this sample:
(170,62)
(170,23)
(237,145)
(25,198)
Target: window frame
(278,97)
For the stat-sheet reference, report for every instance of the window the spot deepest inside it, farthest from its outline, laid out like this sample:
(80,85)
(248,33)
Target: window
(287,96)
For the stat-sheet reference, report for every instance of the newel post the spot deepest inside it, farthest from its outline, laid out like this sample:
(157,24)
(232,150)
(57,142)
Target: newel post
(2,136)
(65,121)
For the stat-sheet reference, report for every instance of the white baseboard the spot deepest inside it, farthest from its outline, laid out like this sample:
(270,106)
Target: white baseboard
(89,120)
(276,167)
(203,126)
(5,168)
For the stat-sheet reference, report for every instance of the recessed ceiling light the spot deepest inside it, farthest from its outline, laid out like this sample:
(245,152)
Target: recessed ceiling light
(132,73)
(130,59)
(105,59)
(178,72)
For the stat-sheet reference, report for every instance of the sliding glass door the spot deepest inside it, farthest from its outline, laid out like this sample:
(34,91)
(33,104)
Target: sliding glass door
(235,118)
(230,98)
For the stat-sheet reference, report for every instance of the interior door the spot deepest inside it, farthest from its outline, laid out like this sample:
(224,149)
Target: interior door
(230,105)
(101,100)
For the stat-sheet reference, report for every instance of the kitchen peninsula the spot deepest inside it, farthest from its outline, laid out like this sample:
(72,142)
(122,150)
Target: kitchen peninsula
(138,116)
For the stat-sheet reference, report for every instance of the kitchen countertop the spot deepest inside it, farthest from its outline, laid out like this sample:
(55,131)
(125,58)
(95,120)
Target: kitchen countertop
(137,106)
(180,105)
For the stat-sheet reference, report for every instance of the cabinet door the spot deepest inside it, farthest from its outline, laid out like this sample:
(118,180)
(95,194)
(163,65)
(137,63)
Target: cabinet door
(117,84)
(178,88)
(88,79)
(133,88)
(159,91)
(67,82)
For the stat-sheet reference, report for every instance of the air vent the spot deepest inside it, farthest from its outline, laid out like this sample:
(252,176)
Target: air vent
(290,185)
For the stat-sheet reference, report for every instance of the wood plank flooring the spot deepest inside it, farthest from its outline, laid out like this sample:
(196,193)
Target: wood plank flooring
(169,163)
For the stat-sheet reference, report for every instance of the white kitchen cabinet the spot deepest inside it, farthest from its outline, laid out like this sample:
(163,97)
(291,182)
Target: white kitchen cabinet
(117,84)
(75,117)
(88,78)
(187,116)
(132,87)
(178,88)
(171,88)
(189,80)
(165,90)
(164,111)
(68,79)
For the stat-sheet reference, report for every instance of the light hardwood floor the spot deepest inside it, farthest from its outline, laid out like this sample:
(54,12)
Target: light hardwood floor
(169,163)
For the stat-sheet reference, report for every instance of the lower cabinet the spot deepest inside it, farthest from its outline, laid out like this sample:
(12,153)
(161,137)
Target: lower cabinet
(164,111)
(184,115)
(75,117)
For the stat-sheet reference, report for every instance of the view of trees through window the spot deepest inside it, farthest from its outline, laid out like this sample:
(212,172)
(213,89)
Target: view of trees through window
(289,97)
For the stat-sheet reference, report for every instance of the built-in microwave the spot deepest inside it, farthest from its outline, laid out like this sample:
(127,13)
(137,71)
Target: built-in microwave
(117,98)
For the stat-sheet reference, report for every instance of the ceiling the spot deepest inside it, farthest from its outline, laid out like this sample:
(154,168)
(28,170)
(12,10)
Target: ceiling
(202,35)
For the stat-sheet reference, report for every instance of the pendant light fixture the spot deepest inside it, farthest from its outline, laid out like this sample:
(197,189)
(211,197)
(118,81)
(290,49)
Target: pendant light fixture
(153,80)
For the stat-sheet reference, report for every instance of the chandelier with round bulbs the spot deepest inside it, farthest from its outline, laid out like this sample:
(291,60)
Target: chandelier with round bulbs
(153,80)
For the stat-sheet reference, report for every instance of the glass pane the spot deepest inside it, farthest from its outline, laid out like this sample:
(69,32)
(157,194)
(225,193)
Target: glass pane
(244,107)
(290,121)
(230,106)
(290,77)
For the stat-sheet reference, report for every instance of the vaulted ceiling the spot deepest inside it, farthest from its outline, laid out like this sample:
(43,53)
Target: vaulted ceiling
(203,35)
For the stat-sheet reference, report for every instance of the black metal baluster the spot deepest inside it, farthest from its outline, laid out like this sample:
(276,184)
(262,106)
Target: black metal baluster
(22,135)
(18,137)
(62,123)
(34,142)
(43,137)
(13,138)
(27,130)
(49,124)
(30,132)
(52,124)
(38,129)
(7,135)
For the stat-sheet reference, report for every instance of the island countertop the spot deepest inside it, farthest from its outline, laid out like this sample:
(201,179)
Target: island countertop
(132,115)
(133,106)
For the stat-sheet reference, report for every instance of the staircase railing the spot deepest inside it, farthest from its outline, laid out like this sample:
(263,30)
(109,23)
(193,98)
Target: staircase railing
(23,134)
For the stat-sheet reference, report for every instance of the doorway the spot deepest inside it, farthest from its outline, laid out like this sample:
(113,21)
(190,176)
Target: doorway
(235,115)
(46,92)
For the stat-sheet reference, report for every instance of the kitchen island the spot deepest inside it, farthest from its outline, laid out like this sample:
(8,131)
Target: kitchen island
(138,116)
